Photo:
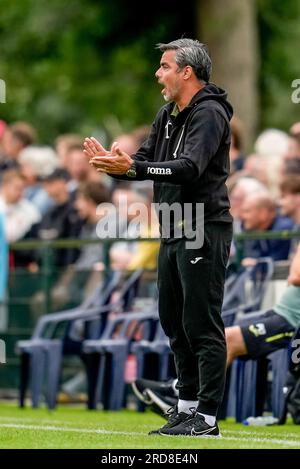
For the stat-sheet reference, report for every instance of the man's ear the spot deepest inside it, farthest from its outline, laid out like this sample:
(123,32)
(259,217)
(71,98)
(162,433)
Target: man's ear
(187,72)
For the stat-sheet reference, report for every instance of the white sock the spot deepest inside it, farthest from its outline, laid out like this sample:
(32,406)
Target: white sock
(209,419)
(174,386)
(186,406)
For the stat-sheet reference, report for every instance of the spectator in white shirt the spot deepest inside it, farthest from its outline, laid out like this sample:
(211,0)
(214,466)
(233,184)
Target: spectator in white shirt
(20,214)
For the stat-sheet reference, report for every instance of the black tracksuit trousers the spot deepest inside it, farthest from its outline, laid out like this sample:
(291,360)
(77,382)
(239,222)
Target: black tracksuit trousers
(190,303)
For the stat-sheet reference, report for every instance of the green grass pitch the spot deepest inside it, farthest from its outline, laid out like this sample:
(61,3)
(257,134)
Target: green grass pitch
(75,427)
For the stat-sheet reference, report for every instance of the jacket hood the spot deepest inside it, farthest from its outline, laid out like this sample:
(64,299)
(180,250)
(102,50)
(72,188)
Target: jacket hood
(211,91)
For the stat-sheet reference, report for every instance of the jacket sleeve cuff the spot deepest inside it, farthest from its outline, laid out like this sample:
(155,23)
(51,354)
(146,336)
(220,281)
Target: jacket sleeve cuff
(141,169)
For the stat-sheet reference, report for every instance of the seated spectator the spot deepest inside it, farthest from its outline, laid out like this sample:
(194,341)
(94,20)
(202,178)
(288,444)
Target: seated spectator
(16,137)
(62,221)
(20,214)
(236,156)
(3,126)
(251,337)
(271,145)
(130,143)
(293,146)
(124,199)
(256,167)
(80,170)
(35,164)
(295,128)
(63,143)
(259,214)
(80,278)
(290,203)
(290,166)
(238,193)
(88,202)
(139,255)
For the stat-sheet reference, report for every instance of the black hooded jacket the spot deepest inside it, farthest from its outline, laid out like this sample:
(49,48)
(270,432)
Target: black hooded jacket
(187,155)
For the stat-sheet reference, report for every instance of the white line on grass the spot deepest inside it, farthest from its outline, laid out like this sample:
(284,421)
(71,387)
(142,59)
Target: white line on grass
(28,419)
(113,432)
(67,429)
(267,432)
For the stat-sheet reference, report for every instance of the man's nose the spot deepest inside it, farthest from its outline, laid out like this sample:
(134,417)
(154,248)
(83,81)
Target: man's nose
(157,73)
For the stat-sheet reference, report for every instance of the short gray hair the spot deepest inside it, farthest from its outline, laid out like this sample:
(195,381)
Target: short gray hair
(190,52)
(43,160)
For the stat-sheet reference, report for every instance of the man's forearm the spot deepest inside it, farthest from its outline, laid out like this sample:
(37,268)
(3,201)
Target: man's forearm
(179,171)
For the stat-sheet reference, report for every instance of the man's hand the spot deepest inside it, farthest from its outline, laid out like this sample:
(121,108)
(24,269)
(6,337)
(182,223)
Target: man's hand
(114,161)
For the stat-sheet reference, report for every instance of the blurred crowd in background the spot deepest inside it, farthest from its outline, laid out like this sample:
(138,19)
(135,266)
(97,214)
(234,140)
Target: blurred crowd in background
(49,193)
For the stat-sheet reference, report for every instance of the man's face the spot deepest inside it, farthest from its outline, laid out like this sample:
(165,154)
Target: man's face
(237,197)
(170,76)
(289,203)
(293,148)
(253,216)
(13,190)
(55,188)
(78,165)
(84,206)
(11,145)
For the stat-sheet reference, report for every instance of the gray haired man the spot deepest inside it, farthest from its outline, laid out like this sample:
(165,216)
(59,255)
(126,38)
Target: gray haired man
(187,157)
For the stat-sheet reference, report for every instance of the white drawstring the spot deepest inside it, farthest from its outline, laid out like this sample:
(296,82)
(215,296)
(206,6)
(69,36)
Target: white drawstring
(179,141)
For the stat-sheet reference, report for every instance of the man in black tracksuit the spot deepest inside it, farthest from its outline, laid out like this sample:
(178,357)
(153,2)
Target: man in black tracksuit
(186,155)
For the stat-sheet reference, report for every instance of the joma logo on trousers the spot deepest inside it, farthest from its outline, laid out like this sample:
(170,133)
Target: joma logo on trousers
(166,171)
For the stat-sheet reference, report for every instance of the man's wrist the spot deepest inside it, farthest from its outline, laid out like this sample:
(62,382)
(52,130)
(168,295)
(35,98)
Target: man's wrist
(131,172)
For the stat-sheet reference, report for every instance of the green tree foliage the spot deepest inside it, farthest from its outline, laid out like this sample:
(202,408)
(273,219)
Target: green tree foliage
(279,25)
(80,65)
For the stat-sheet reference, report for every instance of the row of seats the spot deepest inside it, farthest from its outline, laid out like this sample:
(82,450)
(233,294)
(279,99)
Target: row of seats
(103,331)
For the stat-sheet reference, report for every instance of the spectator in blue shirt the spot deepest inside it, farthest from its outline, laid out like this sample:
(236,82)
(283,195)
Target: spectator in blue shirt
(259,213)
